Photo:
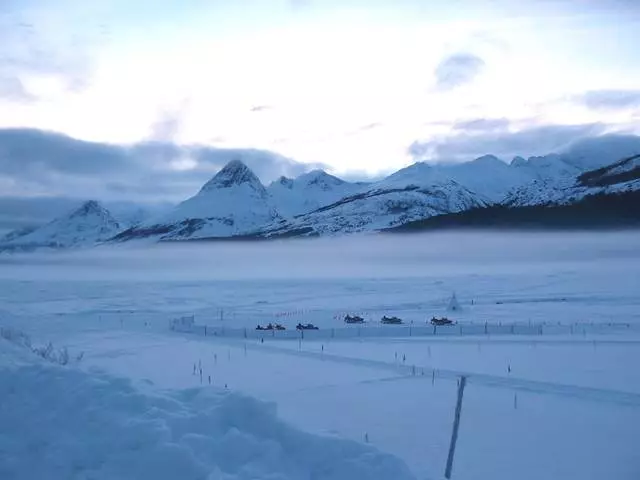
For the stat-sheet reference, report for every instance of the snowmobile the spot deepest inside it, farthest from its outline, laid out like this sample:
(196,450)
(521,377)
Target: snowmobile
(391,320)
(441,321)
(271,326)
(308,326)
(353,319)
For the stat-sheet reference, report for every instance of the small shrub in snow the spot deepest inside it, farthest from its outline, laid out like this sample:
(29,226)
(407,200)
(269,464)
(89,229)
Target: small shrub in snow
(48,352)
(63,356)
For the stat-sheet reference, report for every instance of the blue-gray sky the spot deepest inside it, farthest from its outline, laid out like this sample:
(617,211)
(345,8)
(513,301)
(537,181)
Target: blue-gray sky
(358,86)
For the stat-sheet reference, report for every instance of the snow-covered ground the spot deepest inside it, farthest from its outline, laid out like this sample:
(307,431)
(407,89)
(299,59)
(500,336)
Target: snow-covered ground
(554,406)
(61,423)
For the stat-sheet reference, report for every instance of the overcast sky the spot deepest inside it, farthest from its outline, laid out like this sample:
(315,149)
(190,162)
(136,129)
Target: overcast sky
(361,87)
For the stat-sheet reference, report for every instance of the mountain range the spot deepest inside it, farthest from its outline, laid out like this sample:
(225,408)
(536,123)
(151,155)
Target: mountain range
(486,191)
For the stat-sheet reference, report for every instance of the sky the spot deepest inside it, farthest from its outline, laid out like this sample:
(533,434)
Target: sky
(157,93)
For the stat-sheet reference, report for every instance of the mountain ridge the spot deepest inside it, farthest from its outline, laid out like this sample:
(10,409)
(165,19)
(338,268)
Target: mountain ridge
(235,204)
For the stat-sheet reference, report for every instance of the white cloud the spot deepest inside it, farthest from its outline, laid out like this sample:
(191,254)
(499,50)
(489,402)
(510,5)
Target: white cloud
(202,69)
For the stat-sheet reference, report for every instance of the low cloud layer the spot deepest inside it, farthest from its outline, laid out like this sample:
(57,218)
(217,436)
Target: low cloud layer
(458,69)
(474,142)
(34,162)
(482,124)
(610,99)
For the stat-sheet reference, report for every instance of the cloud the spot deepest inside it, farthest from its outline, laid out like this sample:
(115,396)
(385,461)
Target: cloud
(27,151)
(458,69)
(167,127)
(35,162)
(610,99)
(13,89)
(261,108)
(539,140)
(20,212)
(37,40)
(482,124)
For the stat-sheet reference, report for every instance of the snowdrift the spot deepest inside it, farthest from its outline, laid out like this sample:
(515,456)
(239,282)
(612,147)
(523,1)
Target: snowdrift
(60,422)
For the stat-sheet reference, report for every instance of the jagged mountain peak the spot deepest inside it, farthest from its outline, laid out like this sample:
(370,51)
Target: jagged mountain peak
(233,173)
(284,181)
(419,173)
(489,160)
(320,178)
(90,207)
(518,161)
(89,224)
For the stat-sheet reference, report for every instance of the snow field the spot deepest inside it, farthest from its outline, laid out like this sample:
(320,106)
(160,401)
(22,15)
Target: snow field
(547,406)
(357,390)
(62,423)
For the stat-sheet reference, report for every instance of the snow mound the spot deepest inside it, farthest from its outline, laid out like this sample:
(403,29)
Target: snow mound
(60,423)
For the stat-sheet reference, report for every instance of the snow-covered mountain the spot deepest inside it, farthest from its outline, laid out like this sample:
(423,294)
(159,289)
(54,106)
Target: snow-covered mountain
(619,177)
(416,192)
(88,225)
(619,173)
(309,192)
(488,176)
(233,202)
(556,177)
(15,234)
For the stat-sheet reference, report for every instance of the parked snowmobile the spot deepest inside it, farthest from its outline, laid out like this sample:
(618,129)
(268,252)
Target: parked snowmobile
(308,326)
(271,326)
(391,320)
(353,319)
(441,321)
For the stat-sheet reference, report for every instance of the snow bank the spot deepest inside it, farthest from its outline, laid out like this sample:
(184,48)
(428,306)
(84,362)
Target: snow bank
(60,423)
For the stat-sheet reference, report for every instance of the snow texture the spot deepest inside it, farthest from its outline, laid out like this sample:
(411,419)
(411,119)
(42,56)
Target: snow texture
(61,423)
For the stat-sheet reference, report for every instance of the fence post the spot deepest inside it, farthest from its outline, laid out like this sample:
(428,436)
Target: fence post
(456,426)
